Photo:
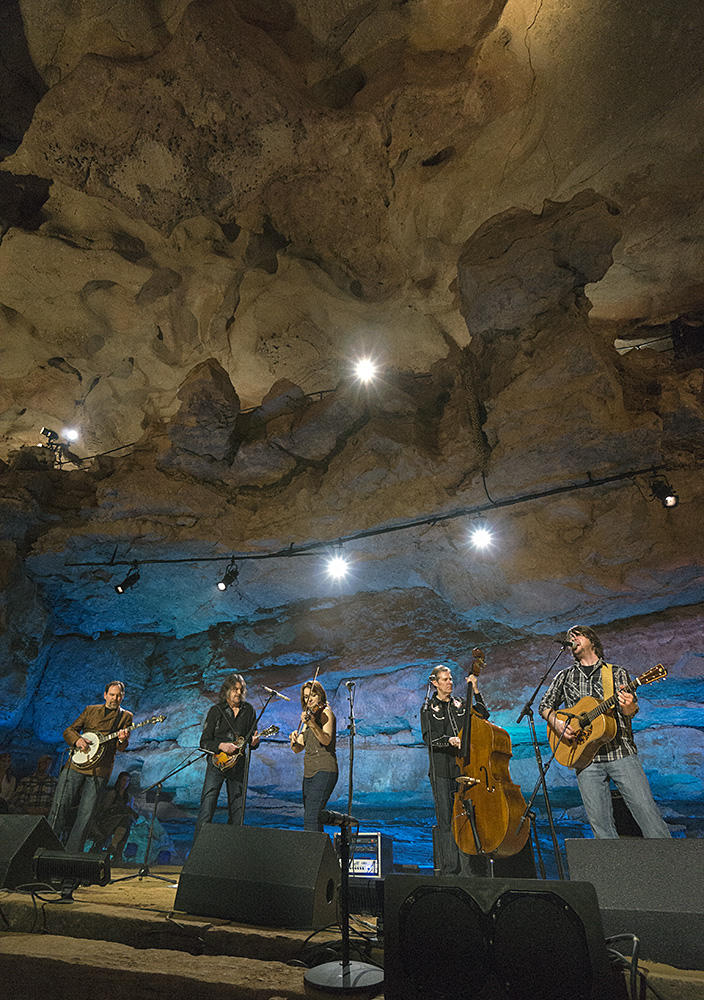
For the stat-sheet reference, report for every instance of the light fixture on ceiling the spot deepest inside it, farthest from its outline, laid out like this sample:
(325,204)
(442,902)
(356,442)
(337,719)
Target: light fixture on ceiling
(70,433)
(480,536)
(231,574)
(365,369)
(130,580)
(662,490)
(338,565)
(50,435)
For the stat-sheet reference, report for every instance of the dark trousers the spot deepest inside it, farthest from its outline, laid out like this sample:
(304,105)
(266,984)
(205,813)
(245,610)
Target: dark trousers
(212,784)
(316,792)
(451,860)
(70,784)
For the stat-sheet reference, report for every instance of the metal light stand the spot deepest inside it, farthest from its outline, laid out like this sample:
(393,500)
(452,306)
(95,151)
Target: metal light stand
(528,710)
(144,868)
(345,977)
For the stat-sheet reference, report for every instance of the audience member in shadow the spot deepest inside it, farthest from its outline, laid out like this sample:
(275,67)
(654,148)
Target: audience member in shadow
(114,817)
(8,782)
(35,792)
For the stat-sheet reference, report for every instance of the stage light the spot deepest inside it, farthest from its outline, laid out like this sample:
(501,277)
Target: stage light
(49,434)
(68,871)
(71,434)
(337,566)
(480,536)
(231,574)
(365,369)
(663,491)
(129,580)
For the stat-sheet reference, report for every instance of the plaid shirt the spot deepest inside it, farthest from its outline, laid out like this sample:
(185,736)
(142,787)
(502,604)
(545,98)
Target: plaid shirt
(34,792)
(577,682)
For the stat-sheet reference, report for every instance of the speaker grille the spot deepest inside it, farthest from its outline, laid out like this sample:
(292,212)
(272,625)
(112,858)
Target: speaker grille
(530,931)
(443,942)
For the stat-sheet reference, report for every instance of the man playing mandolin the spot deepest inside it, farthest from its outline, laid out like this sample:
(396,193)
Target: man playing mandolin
(615,759)
(89,779)
(229,726)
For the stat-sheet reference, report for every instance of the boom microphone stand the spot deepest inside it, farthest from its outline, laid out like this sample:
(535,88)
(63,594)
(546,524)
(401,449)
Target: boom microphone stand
(344,978)
(542,770)
(144,868)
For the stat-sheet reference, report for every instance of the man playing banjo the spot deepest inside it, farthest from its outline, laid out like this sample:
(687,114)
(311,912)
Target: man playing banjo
(91,763)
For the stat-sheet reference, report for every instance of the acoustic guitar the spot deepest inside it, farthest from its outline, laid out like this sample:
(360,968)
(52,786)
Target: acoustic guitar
(224,761)
(87,758)
(593,725)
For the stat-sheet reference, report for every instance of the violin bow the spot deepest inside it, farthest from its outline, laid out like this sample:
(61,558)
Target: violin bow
(310,692)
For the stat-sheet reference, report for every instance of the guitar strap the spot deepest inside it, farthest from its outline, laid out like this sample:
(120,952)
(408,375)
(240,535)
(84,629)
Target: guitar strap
(607,680)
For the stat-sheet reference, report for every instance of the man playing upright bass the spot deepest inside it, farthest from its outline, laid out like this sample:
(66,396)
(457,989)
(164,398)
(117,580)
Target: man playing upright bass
(441,720)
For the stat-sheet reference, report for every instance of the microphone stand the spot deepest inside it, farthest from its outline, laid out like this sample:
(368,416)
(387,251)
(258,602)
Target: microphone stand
(542,770)
(144,868)
(345,977)
(247,744)
(350,769)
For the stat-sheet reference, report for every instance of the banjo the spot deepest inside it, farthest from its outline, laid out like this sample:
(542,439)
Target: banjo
(97,741)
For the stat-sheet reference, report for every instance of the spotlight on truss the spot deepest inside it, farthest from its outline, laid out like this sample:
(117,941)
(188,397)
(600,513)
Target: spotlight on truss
(130,580)
(231,574)
(662,490)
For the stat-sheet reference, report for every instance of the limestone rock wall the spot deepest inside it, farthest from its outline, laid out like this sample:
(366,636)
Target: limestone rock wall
(209,209)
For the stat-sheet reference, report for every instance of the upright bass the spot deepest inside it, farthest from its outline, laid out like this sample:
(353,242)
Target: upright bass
(488,805)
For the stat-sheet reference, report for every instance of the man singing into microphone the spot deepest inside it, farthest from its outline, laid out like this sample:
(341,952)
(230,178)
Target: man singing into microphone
(441,721)
(617,759)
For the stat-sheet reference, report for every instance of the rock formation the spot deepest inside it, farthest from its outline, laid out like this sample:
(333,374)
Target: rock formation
(208,210)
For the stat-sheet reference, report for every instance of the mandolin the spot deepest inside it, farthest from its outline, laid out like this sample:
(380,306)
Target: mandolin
(224,761)
(593,725)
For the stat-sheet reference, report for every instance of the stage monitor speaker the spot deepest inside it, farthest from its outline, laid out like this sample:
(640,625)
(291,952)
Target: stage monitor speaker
(20,837)
(269,878)
(651,888)
(455,938)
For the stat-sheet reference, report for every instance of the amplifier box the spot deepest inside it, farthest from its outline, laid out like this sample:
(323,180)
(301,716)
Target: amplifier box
(371,854)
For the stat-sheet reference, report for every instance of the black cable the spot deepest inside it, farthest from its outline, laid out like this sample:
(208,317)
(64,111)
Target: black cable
(314,547)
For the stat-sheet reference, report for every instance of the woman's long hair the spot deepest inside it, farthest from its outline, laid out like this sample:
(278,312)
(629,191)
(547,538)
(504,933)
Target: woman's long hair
(314,687)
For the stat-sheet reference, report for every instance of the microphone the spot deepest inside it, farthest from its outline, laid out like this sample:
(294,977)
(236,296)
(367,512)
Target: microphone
(336,819)
(277,693)
(349,685)
(565,643)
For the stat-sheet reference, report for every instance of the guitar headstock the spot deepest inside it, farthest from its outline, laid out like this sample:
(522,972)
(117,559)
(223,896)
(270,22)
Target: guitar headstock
(656,673)
(158,718)
(270,731)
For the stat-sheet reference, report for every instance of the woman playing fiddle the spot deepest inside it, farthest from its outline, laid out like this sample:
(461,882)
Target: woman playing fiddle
(316,737)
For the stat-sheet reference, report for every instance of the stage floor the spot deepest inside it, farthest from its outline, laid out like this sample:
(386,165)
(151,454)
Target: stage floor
(126,938)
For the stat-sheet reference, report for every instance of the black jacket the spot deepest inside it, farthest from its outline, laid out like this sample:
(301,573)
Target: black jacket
(221,726)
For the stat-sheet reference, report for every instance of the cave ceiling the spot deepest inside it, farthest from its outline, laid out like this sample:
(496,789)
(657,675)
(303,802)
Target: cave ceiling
(209,209)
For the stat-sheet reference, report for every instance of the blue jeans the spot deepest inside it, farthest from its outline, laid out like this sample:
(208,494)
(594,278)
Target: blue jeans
(68,787)
(212,784)
(629,777)
(316,792)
